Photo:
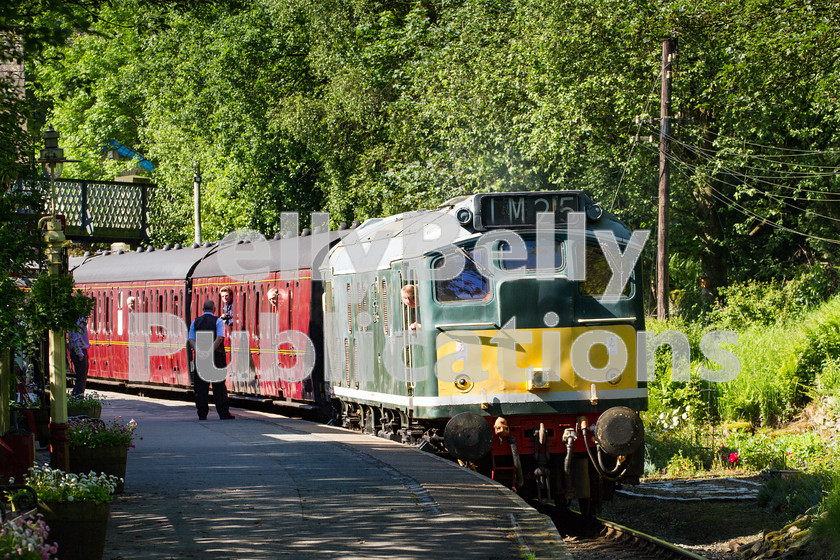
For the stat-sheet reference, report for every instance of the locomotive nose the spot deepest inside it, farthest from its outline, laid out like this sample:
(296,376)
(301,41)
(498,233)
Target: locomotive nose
(620,431)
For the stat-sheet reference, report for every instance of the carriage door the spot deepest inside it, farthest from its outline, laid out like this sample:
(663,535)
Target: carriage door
(407,330)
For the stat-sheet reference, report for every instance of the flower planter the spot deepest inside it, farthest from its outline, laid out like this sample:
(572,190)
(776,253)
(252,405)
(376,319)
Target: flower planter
(79,528)
(108,460)
(92,411)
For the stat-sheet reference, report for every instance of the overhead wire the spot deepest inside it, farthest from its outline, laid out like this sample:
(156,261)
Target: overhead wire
(721,197)
(764,179)
(633,144)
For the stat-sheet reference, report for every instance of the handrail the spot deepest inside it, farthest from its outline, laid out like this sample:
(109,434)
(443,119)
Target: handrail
(13,492)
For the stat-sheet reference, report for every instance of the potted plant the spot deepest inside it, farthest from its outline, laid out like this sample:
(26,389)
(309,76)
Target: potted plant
(100,446)
(76,509)
(89,404)
(26,539)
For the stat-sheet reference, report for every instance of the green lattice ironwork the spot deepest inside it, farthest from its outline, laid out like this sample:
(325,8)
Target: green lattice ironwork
(103,210)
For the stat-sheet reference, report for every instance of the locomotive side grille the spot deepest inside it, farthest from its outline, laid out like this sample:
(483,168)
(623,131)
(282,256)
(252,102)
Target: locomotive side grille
(347,361)
(385,322)
(356,353)
(349,310)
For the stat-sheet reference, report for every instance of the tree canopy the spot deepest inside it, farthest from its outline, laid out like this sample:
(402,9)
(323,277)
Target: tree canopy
(368,107)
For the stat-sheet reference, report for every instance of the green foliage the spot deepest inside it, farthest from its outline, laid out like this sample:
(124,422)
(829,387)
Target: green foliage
(819,347)
(761,451)
(749,304)
(824,530)
(365,107)
(766,389)
(682,467)
(54,304)
(793,495)
(784,364)
(19,244)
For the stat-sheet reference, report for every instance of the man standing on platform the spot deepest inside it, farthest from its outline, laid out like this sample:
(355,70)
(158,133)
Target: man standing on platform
(210,323)
(78,342)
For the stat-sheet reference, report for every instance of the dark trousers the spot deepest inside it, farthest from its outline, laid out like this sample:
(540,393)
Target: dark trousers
(220,397)
(80,367)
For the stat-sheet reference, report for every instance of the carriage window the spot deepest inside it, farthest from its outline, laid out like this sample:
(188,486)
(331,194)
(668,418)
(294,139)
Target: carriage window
(469,285)
(257,298)
(243,314)
(598,274)
(107,328)
(530,261)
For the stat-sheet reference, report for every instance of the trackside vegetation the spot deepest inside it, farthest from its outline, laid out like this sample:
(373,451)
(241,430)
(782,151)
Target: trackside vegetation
(780,414)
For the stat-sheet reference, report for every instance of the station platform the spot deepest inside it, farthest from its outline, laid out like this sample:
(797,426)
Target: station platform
(265,486)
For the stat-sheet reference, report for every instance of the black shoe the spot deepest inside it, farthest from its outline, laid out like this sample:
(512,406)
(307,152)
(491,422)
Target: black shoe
(227,417)
(202,418)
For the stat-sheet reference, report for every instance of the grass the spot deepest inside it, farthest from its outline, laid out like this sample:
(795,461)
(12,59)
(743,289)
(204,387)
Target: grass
(824,530)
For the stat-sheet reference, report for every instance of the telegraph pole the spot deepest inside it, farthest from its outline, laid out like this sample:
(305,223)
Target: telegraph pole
(668,50)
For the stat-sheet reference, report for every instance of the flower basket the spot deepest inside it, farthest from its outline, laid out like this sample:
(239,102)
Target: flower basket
(76,508)
(89,404)
(94,411)
(79,528)
(105,459)
(100,446)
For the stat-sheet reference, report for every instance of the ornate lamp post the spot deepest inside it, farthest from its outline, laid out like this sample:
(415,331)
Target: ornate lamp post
(52,160)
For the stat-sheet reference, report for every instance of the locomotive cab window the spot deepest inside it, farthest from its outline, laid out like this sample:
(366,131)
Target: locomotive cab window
(508,262)
(598,274)
(469,285)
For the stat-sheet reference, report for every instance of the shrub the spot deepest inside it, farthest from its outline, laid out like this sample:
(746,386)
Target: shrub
(793,495)
(788,451)
(824,529)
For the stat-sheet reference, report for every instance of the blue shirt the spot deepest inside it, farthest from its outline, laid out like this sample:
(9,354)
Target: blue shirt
(220,327)
(79,340)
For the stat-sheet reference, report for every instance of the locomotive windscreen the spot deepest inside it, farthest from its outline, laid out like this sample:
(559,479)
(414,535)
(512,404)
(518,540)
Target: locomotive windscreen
(518,210)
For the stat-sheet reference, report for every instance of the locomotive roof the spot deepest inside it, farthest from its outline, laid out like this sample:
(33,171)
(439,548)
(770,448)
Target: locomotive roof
(160,264)
(378,242)
(293,253)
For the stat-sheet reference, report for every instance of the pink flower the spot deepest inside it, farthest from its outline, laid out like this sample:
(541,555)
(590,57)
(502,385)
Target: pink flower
(734,458)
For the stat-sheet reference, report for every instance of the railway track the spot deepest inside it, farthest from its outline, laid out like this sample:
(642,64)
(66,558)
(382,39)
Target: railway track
(599,539)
